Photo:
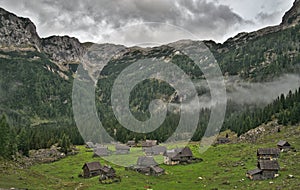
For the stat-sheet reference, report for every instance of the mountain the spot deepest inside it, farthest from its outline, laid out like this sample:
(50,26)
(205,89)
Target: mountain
(17,33)
(37,73)
(292,17)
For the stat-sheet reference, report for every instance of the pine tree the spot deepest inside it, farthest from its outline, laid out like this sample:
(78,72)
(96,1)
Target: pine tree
(23,142)
(65,144)
(7,139)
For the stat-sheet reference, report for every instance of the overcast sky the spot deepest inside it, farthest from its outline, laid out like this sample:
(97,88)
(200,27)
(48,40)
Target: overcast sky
(132,22)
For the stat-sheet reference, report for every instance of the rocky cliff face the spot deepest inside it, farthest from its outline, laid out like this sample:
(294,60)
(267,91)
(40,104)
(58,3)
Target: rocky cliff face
(63,49)
(20,33)
(292,17)
(17,32)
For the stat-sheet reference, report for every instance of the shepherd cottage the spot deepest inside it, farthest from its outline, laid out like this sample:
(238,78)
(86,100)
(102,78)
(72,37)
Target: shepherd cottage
(91,169)
(283,145)
(179,156)
(148,166)
(101,151)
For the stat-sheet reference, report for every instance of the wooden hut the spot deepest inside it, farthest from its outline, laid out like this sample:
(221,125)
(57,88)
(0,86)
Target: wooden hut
(269,168)
(283,145)
(148,143)
(91,169)
(107,172)
(101,151)
(223,140)
(177,156)
(122,149)
(255,174)
(155,150)
(147,166)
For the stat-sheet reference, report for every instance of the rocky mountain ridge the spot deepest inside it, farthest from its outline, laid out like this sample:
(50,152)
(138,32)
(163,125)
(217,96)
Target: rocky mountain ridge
(290,19)
(20,33)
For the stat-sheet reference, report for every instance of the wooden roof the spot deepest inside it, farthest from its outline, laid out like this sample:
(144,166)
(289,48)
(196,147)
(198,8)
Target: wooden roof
(155,149)
(268,165)
(92,166)
(90,144)
(146,161)
(101,151)
(130,143)
(283,143)
(157,169)
(107,169)
(179,152)
(255,171)
(122,147)
(268,151)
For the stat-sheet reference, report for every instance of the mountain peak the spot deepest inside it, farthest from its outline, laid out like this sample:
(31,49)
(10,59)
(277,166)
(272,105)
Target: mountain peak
(292,17)
(17,31)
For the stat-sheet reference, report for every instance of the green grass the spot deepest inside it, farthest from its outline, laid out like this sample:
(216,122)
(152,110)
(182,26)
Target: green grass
(224,167)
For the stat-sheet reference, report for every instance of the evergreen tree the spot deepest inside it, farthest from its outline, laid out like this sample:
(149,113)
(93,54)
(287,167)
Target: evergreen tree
(23,142)
(7,139)
(65,144)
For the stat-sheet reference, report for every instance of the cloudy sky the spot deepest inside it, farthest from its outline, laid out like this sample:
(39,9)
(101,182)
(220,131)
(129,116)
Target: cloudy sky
(133,22)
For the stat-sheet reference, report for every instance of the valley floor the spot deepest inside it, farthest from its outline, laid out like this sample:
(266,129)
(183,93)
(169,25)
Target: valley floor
(224,167)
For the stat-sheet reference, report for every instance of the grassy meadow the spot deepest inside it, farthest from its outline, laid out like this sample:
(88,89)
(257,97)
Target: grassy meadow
(224,167)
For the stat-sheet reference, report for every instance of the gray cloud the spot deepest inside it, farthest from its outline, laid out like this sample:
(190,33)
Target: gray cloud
(266,18)
(94,20)
(247,93)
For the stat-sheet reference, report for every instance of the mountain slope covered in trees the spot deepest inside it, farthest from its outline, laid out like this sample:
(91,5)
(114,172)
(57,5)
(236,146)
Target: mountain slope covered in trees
(36,82)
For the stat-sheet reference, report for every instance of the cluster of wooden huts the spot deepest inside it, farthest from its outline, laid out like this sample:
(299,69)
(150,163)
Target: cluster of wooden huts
(102,150)
(145,164)
(267,162)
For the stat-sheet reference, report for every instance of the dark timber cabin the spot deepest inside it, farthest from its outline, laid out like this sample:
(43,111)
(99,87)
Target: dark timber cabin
(269,168)
(155,150)
(283,145)
(91,169)
(148,166)
(255,174)
(107,172)
(177,156)
(101,151)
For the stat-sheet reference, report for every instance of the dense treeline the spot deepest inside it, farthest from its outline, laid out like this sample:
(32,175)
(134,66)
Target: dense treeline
(36,102)
(285,108)
(23,139)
